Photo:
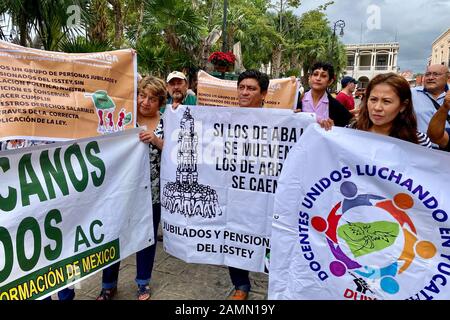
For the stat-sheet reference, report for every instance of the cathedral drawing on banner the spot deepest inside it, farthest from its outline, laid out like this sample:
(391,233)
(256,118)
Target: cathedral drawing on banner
(186,196)
(187,147)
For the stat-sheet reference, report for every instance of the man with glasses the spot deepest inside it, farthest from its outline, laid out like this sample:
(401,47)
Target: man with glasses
(428,99)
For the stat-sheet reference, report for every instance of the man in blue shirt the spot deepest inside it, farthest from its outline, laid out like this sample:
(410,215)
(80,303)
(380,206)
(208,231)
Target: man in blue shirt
(427,99)
(436,130)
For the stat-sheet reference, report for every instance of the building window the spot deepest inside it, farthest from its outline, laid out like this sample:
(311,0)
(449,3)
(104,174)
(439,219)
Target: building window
(382,60)
(350,61)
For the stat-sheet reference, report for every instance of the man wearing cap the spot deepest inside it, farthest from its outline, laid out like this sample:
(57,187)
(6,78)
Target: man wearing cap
(177,86)
(345,97)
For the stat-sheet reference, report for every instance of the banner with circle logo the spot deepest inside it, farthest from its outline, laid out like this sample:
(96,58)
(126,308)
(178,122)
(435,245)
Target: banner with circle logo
(359,216)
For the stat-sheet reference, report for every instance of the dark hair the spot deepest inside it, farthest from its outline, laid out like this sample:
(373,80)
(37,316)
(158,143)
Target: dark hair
(262,78)
(404,126)
(325,66)
(156,87)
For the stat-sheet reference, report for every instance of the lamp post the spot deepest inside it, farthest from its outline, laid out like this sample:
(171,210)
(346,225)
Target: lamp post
(224,26)
(224,31)
(338,24)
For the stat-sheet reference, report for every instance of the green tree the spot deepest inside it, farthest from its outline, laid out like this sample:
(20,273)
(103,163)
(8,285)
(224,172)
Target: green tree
(248,22)
(83,44)
(283,16)
(97,26)
(314,43)
(46,20)
(173,32)
(22,14)
(181,34)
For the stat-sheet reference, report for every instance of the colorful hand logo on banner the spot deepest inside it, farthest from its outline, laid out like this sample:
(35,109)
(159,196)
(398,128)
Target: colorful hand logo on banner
(353,243)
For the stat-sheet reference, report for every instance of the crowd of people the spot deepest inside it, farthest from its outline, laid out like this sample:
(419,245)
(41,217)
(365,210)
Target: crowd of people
(387,109)
(390,107)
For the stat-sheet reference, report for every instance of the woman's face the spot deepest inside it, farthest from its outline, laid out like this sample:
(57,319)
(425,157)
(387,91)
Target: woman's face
(383,105)
(148,104)
(319,80)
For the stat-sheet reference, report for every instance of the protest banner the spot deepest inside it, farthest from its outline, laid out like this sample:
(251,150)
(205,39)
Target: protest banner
(219,173)
(212,91)
(360,216)
(58,96)
(69,209)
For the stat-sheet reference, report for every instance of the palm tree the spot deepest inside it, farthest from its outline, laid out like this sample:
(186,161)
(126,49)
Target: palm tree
(22,13)
(84,45)
(117,6)
(172,35)
(176,20)
(46,19)
(249,23)
(98,24)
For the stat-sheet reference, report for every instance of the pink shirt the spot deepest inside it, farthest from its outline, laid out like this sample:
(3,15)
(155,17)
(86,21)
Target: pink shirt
(321,109)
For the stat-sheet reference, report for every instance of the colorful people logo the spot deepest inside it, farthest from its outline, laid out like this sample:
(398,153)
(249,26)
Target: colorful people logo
(372,245)
(105,106)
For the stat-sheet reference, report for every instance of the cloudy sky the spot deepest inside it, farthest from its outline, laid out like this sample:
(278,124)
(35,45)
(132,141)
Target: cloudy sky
(414,23)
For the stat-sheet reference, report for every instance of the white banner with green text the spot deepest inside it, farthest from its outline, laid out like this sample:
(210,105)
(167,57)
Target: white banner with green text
(69,209)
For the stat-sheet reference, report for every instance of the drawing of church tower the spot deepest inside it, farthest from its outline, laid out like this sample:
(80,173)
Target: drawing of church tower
(187,151)
(185,195)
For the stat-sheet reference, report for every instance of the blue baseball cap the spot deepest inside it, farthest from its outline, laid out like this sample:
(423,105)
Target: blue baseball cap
(346,80)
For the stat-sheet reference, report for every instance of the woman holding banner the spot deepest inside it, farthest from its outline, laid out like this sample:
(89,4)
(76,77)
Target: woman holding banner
(387,109)
(151,96)
(319,101)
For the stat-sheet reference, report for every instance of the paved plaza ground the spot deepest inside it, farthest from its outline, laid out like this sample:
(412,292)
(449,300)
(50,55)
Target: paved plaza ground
(174,279)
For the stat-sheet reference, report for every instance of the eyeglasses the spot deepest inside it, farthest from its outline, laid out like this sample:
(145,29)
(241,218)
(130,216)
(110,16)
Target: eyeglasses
(434,74)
